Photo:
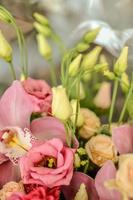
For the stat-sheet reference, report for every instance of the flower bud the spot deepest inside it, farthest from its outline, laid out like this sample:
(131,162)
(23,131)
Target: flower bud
(5,49)
(100,67)
(74,66)
(61,107)
(109,75)
(82,46)
(41,19)
(91,123)
(103,97)
(91,58)
(80,119)
(121,63)
(103,60)
(124,83)
(43,46)
(77,160)
(82,193)
(44,30)
(91,35)
(86,76)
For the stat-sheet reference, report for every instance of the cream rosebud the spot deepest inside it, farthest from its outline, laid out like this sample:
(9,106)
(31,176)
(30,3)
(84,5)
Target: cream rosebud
(100,148)
(91,58)
(5,49)
(61,107)
(43,46)
(41,19)
(124,83)
(121,63)
(74,66)
(80,119)
(44,30)
(82,46)
(91,35)
(103,97)
(82,193)
(91,124)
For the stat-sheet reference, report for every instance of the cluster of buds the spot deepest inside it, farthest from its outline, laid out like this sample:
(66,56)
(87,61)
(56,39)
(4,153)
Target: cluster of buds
(44,31)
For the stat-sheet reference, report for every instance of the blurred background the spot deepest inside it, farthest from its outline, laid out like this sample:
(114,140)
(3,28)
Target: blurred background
(70,19)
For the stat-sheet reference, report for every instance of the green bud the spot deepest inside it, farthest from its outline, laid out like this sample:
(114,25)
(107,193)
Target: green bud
(100,67)
(91,58)
(44,30)
(86,76)
(44,47)
(81,151)
(91,35)
(76,160)
(109,75)
(125,84)
(5,49)
(82,46)
(74,66)
(41,19)
(103,60)
(121,63)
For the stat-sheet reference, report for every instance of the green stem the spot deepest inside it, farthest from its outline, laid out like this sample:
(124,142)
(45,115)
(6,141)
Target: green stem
(113,101)
(12,70)
(125,103)
(53,73)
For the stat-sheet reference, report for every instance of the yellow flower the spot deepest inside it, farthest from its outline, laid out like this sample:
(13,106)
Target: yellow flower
(82,193)
(61,107)
(5,49)
(100,148)
(103,97)
(80,119)
(90,125)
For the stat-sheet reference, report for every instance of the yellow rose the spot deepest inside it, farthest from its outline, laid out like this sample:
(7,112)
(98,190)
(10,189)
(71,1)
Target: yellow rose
(100,148)
(90,125)
(61,107)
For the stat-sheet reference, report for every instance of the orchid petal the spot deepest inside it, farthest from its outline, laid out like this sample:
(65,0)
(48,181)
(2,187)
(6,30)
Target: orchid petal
(47,128)
(8,172)
(123,138)
(15,107)
(79,178)
(107,172)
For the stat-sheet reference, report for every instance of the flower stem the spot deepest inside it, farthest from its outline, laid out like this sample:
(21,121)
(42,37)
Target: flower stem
(12,70)
(113,101)
(125,103)
(52,73)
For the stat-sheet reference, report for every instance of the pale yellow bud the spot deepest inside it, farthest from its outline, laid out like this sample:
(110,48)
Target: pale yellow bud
(103,60)
(100,67)
(82,193)
(82,91)
(121,63)
(77,160)
(74,66)
(82,46)
(86,76)
(125,84)
(109,75)
(103,97)
(91,35)
(41,19)
(44,30)
(80,119)
(43,46)
(61,107)
(91,58)
(5,49)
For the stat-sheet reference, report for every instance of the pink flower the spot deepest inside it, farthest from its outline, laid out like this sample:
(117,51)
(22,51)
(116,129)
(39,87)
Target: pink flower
(40,193)
(40,93)
(49,164)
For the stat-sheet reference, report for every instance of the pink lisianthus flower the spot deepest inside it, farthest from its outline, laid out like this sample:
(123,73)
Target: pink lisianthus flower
(49,164)
(40,193)
(40,93)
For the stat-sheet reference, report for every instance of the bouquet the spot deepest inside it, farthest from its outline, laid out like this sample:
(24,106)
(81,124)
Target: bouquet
(72,140)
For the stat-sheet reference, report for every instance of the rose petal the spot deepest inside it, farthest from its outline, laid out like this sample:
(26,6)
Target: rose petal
(8,172)
(123,138)
(78,178)
(15,107)
(107,172)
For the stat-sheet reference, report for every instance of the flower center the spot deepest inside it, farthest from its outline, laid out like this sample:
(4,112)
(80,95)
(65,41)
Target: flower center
(48,161)
(10,139)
